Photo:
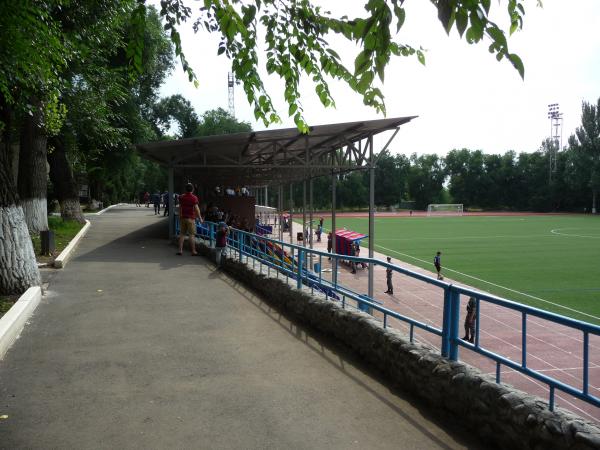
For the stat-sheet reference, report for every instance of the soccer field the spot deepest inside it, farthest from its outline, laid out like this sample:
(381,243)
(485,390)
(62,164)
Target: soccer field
(550,262)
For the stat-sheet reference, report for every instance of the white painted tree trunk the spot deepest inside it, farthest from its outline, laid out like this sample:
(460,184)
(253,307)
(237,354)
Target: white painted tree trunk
(18,267)
(36,214)
(32,181)
(70,209)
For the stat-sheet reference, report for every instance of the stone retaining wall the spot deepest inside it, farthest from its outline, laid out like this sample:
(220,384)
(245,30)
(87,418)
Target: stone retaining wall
(501,415)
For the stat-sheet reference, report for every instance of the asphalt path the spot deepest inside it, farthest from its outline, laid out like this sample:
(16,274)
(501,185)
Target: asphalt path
(136,347)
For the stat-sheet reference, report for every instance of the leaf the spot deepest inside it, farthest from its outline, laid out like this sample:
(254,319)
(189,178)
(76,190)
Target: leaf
(362,61)
(517,63)
(400,15)
(462,20)
(445,13)
(486,5)
(365,81)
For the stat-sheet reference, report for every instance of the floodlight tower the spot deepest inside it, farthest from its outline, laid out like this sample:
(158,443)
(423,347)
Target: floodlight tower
(230,83)
(555,117)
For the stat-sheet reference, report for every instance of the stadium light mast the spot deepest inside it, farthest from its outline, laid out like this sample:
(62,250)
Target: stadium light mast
(555,117)
(230,83)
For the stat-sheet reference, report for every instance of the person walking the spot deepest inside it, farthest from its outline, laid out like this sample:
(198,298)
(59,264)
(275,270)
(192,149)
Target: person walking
(166,203)
(437,262)
(147,199)
(188,212)
(388,278)
(156,203)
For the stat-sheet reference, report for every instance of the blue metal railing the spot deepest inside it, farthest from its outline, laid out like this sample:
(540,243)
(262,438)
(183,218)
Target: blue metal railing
(292,261)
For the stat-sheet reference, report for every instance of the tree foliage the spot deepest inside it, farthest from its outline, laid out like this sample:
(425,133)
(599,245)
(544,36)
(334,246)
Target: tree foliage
(293,35)
(587,145)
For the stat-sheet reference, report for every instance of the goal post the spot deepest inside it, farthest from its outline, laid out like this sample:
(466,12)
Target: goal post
(445,209)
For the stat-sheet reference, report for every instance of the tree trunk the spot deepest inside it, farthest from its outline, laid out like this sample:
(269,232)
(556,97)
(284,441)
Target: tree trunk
(65,186)
(594,195)
(33,173)
(18,267)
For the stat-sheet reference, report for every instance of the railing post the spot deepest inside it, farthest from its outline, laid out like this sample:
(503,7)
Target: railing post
(240,237)
(454,318)
(300,266)
(446,324)
(450,323)
(211,233)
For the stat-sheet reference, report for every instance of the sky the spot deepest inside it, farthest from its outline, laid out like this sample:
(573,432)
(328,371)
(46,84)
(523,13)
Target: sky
(464,98)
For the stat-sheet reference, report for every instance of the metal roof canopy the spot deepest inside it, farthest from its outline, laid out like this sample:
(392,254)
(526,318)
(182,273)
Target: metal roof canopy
(271,156)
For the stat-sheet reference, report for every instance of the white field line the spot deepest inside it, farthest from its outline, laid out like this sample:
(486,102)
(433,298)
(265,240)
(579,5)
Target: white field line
(452,238)
(492,284)
(556,232)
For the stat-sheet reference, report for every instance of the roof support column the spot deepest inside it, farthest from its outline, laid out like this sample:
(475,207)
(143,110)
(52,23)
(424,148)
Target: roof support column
(171,202)
(334,261)
(304,234)
(280,207)
(266,202)
(371,213)
(291,209)
(310,218)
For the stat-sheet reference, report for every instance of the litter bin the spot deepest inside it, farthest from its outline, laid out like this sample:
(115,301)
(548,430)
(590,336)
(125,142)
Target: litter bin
(317,267)
(299,236)
(48,246)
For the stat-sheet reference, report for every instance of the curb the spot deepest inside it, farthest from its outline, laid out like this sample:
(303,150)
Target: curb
(108,207)
(12,323)
(61,260)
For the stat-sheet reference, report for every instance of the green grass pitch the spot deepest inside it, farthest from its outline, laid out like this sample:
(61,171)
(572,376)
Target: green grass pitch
(550,262)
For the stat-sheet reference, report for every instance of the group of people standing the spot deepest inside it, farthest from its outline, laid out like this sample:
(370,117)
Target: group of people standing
(157,199)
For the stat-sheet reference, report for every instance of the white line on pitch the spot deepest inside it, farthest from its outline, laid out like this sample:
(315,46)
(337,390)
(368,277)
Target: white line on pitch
(463,237)
(493,284)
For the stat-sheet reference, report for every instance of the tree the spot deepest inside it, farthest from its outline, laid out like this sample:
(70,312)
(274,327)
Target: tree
(426,180)
(219,121)
(31,53)
(181,111)
(391,174)
(587,147)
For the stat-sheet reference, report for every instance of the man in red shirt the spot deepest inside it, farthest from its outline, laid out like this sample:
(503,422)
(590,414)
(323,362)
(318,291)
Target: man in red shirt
(188,211)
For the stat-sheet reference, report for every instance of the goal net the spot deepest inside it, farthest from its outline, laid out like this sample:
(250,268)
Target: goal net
(446,209)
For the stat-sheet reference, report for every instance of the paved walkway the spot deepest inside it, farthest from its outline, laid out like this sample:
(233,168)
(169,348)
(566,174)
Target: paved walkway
(135,347)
